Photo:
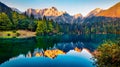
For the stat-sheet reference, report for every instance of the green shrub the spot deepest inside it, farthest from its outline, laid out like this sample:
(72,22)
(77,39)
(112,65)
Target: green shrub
(14,31)
(8,34)
(17,34)
(108,55)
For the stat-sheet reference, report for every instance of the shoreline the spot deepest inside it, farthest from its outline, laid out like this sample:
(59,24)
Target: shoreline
(29,34)
(17,34)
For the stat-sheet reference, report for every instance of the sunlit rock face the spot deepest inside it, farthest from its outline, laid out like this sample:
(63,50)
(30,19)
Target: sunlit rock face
(52,13)
(48,12)
(77,18)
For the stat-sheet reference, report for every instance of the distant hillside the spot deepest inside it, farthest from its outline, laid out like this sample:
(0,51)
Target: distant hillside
(98,15)
(114,12)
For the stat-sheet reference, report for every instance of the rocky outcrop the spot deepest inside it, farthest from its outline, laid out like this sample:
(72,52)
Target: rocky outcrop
(77,18)
(53,14)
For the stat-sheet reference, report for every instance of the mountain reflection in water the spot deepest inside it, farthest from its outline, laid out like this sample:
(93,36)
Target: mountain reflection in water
(70,59)
(64,50)
(60,48)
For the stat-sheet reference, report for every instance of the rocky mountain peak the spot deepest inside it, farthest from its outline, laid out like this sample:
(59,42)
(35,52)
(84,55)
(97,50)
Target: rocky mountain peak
(52,12)
(94,12)
(78,15)
(98,9)
(54,8)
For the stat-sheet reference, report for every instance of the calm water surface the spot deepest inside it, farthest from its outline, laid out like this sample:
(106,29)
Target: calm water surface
(16,52)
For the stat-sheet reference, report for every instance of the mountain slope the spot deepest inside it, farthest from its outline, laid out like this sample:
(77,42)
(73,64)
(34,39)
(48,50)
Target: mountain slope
(53,14)
(94,12)
(114,11)
(77,18)
(4,8)
(39,13)
(12,20)
(110,15)
(16,10)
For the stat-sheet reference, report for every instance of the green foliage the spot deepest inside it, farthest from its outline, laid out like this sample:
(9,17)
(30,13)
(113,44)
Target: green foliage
(16,21)
(23,24)
(8,34)
(40,28)
(44,27)
(14,31)
(49,27)
(108,55)
(5,23)
(17,34)
(31,26)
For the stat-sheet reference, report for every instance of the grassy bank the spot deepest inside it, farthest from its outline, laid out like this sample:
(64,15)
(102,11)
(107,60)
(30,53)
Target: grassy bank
(17,34)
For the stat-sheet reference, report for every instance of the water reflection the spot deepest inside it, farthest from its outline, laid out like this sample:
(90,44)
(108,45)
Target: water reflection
(51,53)
(47,53)
(36,46)
(71,59)
(60,48)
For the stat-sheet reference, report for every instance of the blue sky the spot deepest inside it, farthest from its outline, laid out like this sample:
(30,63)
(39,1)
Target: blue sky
(70,6)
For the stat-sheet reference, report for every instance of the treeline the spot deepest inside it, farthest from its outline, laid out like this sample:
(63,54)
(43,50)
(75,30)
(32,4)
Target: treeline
(101,27)
(47,27)
(20,21)
(15,21)
(91,28)
(11,20)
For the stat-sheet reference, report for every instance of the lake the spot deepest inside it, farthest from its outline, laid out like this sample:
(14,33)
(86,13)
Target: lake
(51,51)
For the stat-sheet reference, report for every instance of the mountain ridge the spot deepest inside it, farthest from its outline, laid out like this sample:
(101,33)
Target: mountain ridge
(113,11)
(94,12)
(52,13)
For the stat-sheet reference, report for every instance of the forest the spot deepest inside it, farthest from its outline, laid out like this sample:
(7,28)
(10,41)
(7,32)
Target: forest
(43,26)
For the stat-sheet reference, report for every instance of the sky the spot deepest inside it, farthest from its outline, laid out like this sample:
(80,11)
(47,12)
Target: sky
(70,6)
